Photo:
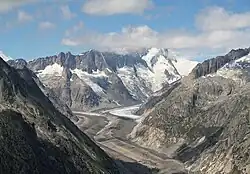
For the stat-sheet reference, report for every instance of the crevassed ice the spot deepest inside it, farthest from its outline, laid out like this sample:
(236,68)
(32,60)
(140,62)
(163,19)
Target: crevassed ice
(130,81)
(87,78)
(151,76)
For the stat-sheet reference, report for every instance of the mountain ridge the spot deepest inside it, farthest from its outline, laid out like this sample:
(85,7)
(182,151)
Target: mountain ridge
(36,137)
(111,79)
(202,120)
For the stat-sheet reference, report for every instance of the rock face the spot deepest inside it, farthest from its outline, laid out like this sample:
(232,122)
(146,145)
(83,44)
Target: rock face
(36,137)
(96,79)
(203,121)
(30,77)
(212,65)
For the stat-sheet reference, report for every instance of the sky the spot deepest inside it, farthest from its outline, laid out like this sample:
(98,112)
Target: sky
(196,29)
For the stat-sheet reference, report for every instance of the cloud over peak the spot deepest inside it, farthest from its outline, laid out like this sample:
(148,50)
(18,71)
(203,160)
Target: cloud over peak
(229,30)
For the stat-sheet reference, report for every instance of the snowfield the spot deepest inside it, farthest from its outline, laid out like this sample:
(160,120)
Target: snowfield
(51,70)
(88,79)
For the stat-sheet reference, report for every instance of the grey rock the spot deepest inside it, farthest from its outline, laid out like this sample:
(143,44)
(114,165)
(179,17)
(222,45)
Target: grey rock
(37,138)
(113,89)
(202,121)
(29,76)
(212,65)
(82,96)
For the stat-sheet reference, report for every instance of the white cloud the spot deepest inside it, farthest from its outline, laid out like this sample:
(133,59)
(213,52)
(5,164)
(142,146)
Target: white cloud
(209,40)
(140,37)
(111,7)
(66,12)
(217,18)
(22,16)
(46,25)
(6,5)
(75,29)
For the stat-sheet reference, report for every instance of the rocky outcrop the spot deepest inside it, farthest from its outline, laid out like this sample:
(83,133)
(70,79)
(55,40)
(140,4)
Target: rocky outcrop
(212,65)
(30,77)
(156,98)
(36,137)
(203,122)
(82,96)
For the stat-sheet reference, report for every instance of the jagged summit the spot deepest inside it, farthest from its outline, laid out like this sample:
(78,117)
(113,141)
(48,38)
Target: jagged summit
(110,78)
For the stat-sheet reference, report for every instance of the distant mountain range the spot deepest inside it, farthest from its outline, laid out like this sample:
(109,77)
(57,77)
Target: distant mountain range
(95,79)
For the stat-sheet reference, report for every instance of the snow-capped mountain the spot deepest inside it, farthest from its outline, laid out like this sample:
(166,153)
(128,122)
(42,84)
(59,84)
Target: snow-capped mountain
(97,79)
(4,57)
(193,119)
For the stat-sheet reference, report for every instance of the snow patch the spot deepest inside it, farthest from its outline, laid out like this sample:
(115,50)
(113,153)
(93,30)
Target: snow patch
(160,62)
(4,57)
(184,66)
(55,70)
(88,79)
(131,81)
(201,140)
(147,79)
(233,70)
(241,63)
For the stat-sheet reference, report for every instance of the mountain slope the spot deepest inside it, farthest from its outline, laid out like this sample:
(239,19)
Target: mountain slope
(37,138)
(202,121)
(4,57)
(96,79)
(29,77)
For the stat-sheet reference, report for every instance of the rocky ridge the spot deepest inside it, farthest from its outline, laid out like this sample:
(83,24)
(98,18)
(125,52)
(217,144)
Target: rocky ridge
(36,137)
(96,79)
(203,120)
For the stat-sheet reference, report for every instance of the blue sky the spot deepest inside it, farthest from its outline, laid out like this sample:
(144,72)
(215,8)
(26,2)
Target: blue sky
(195,28)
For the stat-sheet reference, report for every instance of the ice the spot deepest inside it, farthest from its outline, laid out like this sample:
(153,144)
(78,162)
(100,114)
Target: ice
(126,112)
(184,66)
(54,69)
(88,79)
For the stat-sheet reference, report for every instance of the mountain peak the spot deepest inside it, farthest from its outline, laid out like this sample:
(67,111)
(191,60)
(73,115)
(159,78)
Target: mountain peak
(4,57)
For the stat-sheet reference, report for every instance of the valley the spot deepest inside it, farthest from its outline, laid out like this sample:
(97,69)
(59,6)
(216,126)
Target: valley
(197,123)
(124,87)
(110,129)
